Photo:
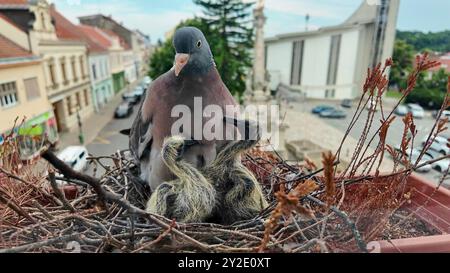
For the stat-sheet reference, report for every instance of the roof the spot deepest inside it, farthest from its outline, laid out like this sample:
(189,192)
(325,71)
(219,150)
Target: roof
(365,14)
(65,30)
(9,49)
(91,37)
(96,35)
(108,18)
(10,21)
(123,43)
(14,3)
(445,62)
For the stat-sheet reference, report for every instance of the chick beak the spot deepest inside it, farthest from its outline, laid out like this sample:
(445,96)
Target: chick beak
(181,59)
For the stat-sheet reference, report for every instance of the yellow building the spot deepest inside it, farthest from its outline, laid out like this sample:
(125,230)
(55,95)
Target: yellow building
(23,95)
(39,28)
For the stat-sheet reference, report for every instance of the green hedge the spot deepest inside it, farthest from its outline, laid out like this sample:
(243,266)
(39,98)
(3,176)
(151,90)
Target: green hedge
(427,98)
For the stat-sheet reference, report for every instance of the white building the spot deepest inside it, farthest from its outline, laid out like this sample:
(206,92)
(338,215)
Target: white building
(332,62)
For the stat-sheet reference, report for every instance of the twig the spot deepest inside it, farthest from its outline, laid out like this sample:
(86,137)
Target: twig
(59,193)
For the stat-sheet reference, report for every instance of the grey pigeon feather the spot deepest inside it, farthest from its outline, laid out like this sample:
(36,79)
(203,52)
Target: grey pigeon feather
(194,75)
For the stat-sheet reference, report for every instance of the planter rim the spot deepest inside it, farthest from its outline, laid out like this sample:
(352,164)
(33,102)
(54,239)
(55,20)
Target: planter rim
(436,213)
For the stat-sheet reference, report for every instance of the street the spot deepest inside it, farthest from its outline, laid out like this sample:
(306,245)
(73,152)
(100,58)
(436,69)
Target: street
(110,140)
(395,131)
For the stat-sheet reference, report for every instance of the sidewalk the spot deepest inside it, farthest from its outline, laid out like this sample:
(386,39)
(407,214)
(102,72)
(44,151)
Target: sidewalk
(95,123)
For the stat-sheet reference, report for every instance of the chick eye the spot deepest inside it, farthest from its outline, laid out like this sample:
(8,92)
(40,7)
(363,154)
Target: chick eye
(199,43)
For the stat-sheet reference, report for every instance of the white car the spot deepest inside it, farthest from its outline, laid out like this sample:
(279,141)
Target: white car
(440,144)
(441,165)
(75,157)
(401,110)
(416,110)
(414,156)
(147,80)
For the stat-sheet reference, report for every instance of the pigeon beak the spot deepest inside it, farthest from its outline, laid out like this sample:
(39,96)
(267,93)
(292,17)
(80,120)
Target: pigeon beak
(181,60)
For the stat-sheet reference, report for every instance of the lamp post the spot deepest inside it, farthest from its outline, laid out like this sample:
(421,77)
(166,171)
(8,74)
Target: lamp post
(80,127)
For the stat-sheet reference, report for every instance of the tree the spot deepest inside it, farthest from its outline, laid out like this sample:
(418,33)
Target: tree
(231,20)
(434,41)
(430,92)
(403,63)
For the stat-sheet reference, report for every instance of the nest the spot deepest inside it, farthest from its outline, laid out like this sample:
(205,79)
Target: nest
(311,209)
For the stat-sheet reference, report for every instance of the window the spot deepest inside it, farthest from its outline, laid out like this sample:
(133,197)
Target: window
(8,94)
(86,97)
(43,21)
(78,100)
(297,62)
(51,71)
(74,69)
(69,105)
(63,70)
(32,88)
(333,63)
(83,74)
(94,71)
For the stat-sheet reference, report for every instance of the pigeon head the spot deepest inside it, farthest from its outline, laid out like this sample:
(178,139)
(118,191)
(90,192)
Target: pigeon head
(193,55)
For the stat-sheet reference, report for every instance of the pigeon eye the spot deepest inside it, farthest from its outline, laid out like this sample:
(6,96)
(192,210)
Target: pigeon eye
(199,43)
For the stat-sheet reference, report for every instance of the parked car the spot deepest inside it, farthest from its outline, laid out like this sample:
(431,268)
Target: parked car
(441,165)
(413,155)
(347,103)
(401,110)
(125,109)
(416,110)
(147,80)
(334,113)
(138,92)
(131,98)
(440,144)
(321,108)
(75,157)
(445,114)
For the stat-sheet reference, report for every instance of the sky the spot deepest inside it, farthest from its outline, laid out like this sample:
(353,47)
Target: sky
(156,17)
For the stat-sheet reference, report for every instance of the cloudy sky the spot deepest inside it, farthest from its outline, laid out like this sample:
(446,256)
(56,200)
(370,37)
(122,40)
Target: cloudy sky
(156,17)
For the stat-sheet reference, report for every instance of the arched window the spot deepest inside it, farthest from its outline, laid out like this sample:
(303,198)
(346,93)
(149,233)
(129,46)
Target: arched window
(43,21)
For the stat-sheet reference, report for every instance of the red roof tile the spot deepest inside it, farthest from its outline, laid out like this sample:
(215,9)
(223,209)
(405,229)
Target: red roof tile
(96,35)
(65,30)
(111,33)
(9,49)
(13,2)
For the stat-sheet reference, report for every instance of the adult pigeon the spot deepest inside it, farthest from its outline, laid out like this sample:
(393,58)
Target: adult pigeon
(194,75)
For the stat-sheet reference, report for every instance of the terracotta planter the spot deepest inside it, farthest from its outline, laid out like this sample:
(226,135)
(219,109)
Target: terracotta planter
(435,212)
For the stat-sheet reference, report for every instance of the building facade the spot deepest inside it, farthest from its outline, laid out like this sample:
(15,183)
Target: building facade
(22,90)
(131,41)
(64,57)
(331,63)
(99,66)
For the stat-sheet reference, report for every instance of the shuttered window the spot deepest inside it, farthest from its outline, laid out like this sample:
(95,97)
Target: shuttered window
(297,62)
(32,88)
(8,94)
(333,63)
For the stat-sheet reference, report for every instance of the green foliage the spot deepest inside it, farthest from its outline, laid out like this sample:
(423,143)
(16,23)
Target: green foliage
(403,62)
(437,41)
(430,93)
(231,19)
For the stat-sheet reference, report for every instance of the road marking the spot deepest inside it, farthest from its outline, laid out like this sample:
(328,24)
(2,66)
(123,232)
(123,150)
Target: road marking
(102,140)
